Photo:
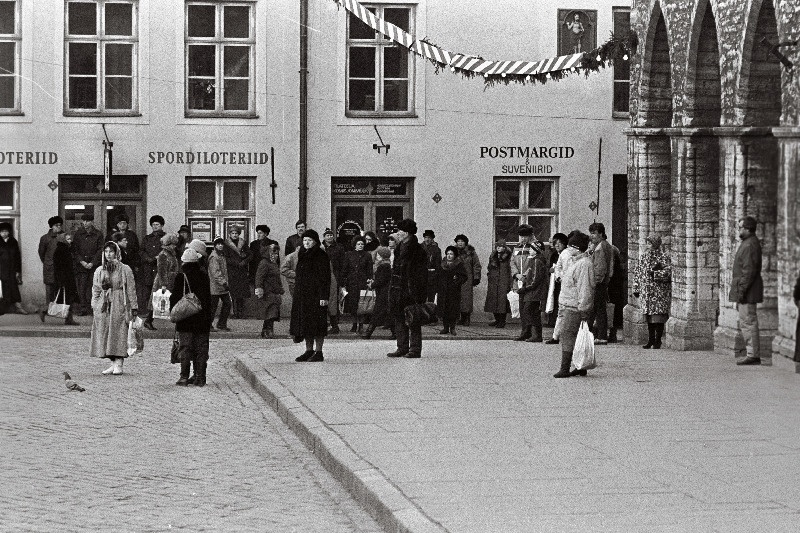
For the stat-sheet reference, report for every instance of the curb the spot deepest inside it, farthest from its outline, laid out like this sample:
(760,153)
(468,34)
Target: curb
(392,509)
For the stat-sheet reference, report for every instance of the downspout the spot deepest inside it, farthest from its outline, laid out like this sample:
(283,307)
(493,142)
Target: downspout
(303,182)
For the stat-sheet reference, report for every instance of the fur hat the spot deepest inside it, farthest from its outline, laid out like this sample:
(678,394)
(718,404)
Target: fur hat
(198,246)
(461,237)
(311,234)
(122,217)
(580,241)
(525,230)
(184,229)
(328,231)
(451,249)
(52,221)
(384,252)
(157,218)
(6,226)
(190,256)
(263,228)
(429,233)
(407,225)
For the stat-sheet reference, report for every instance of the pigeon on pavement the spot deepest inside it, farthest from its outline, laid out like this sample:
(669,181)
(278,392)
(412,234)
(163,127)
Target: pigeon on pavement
(71,385)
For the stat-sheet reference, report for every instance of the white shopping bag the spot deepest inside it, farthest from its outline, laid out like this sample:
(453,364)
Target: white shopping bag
(161,306)
(513,300)
(551,294)
(135,336)
(583,354)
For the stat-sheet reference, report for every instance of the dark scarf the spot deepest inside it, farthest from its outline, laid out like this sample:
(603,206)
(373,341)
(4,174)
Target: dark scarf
(495,259)
(451,265)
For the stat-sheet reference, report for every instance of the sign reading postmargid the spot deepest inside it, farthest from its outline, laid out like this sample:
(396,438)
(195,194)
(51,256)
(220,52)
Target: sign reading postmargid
(527,153)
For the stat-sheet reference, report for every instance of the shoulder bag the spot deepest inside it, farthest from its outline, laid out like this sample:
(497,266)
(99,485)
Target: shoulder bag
(188,306)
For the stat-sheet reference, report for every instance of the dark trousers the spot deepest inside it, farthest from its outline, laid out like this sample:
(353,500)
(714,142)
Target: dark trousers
(84,282)
(51,289)
(598,320)
(530,314)
(193,348)
(408,339)
(144,293)
(226,308)
(619,315)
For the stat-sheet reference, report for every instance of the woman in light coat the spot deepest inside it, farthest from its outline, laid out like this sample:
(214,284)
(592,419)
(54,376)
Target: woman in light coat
(652,284)
(114,305)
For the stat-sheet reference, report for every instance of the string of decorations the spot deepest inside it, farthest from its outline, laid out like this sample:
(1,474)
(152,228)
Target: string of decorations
(496,72)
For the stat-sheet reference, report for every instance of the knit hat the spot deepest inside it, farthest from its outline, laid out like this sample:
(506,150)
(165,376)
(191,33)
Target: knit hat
(384,252)
(219,240)
(311,234)
(184,229)
(500,242)
(189,256)
(52,221)
(429,233)
(170,239)
(580,241)
(407,225)
(199,247)
(461,237)
(157,218)
(328,231)
(655,240)
(263,228)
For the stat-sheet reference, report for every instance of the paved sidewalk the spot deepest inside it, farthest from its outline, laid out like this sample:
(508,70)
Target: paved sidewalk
(478,437)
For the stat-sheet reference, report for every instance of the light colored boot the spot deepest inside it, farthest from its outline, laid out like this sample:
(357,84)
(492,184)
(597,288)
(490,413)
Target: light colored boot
(118,366)
(110,369)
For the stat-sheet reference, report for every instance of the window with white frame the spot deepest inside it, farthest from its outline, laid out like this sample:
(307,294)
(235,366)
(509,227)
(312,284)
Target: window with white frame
(101,57)
(10,54)
(380,72)
(622,65)
(9,203)
(220,59)
(525,200)
(214,205)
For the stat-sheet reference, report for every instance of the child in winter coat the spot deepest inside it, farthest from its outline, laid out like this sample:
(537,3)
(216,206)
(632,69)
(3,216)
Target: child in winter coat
(269,287)
(218,274)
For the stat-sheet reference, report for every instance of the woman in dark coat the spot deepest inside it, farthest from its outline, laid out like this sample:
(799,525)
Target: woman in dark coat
(451,277)
(380,284)
(499,283)
(237,258)
(356,270)
(64,276)
(312,287)
(10,270)
(269,287)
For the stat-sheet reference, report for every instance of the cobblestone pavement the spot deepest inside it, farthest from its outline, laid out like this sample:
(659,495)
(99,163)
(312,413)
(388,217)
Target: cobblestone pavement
(137,453)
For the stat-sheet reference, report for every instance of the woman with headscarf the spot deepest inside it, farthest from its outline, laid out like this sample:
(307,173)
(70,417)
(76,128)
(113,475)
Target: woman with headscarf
(237,256)
(472,264)
(451,277)
(309,321)
(498,275)
(268,286)
(652,284)
(114,305)
(380,284)
(167,267)
(64,276)
(356,270)
(193,331)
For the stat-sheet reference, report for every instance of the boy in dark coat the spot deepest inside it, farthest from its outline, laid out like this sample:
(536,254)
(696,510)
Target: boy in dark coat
(193,332)
(409,286)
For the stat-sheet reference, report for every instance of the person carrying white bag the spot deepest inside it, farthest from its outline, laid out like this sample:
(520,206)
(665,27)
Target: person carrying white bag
(577,301)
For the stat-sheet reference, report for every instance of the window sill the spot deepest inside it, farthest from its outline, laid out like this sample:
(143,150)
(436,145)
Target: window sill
(12,114)
(372,116)
(621,115)
(90,114)
(248,116)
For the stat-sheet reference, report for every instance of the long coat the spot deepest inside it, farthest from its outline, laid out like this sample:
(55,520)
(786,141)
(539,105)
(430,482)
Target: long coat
(498,276)
(87,246)
(63,273)
(237,255)
(797,328)
(434,265)
(472,264)
(655,297)
(218,273)
(256,256)
(535,272)
(312,284)
(380,283)
(356,270)
(450,278)
(197,282)
(112,310)
(10,266)
(47,247)
(167,267)
(747,287)
(151,247)
(409,283)
(268,278)
(336,253)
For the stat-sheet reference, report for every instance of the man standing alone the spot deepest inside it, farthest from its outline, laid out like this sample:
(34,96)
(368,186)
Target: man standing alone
(603,265)
(407,287)
(47,247)
(87,247)
(747,288)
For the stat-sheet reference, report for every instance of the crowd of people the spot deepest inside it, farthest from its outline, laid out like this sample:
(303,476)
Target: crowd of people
(375,282)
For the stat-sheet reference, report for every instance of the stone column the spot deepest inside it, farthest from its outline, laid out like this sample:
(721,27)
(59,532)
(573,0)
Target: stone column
(649,199)
(749,187)
(788,244)
(695,239)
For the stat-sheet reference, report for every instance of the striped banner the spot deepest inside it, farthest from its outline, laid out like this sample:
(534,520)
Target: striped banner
(459,61)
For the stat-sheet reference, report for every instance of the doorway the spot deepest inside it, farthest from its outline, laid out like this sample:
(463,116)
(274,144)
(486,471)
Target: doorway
(79,195)
(369,204)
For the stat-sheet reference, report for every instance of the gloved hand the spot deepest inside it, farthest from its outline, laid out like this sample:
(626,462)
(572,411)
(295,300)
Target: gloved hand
(475,282)
(635,294)
(584,316)
(106,285)
(259,293)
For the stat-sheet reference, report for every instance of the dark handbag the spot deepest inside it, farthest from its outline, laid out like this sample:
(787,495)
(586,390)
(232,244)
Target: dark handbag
(419,314)
(188,306)
(175,354)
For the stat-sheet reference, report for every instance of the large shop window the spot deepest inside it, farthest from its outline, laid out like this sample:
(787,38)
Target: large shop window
(622,67)
(9,203)
(220,57)
(379,71)
(101,57)
(10,57)
(215,205)
(525,200)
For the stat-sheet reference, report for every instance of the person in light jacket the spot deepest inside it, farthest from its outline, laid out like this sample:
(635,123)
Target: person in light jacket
(560,244)
(114,305)
(288,270)
(577,301)
(529,272)
(218,276)
(472,264)
(603,262)
(747,288)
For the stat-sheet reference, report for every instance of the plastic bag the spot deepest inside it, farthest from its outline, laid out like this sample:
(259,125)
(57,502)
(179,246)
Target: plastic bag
(513,301)
(583,354)
(161,306)
(342,296)
(135,336)
(366,302)
(551,295)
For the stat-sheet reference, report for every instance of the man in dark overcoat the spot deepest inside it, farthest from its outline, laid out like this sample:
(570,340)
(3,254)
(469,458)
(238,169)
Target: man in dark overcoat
(262,240)
(747,288)
(151,247)
(434,261)
(122,225)
(10,271)
(47,247)
(409,286)
(87,249)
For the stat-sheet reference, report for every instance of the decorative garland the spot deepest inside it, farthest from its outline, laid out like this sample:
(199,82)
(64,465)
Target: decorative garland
(494,72)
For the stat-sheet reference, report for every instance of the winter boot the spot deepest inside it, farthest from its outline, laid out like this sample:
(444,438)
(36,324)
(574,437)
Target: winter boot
(118,366)
(334,325)
(267,330)
(651,336)
(566,361)
(659,332)
(445,330)
(186,366)
(368,333)
(526,332)
(305,356)
(200,373)
(108,371)
(462,317)
(69,321)
(316,357)
(612,335)
(536,336)
(466,319)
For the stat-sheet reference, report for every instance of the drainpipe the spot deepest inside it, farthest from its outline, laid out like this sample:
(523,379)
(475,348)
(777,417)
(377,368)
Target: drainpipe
(303,182)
